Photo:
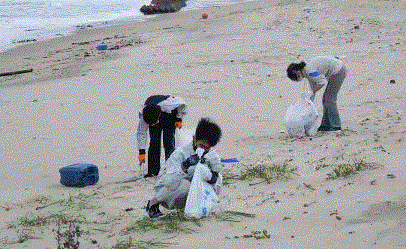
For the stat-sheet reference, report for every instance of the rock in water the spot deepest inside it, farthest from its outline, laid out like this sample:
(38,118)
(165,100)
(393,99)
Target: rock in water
(162,6)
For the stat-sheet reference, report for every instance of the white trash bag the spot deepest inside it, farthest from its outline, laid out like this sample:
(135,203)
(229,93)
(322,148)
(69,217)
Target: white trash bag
(202,199)
(302,117)
(182,137)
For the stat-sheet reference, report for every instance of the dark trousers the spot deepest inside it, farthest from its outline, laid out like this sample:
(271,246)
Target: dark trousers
(165,127)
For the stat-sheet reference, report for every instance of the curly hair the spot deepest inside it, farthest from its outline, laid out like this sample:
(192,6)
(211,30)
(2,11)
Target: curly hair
(292,68)
(208,131)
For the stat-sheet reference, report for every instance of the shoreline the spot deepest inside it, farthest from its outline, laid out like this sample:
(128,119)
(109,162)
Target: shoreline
(70,30)
(53,50)
(21,40)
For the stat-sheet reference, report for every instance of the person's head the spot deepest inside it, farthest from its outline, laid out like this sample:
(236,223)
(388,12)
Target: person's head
(151,114)
(207,134)
(294,71)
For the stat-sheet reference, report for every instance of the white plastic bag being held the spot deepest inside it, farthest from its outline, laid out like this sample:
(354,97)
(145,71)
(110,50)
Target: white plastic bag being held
(182,137)
(202,199)
(302,117)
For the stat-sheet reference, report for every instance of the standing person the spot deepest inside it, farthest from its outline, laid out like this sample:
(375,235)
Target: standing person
(172,188)
(321,71)
(161,115)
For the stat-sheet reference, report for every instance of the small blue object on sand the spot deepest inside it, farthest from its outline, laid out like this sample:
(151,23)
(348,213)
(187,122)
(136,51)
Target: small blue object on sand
(229,160)
(101,47)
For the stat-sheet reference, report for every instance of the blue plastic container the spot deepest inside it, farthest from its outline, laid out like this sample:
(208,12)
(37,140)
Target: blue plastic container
(79,175)
(229,160)
(102,47)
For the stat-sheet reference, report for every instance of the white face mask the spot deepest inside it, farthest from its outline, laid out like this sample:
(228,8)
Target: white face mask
(298,74)
(299,77)
(200,152)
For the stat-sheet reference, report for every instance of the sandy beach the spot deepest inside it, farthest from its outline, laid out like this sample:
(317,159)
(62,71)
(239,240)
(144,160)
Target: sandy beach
(80,104)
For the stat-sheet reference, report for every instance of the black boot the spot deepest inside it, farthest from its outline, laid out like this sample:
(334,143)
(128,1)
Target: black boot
(153,211)
(323,128)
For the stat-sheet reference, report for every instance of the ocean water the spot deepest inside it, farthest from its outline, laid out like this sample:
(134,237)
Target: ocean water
(24,21)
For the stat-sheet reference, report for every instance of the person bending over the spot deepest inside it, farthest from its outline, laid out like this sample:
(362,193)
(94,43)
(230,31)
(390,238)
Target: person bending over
(161,115)
(323,71)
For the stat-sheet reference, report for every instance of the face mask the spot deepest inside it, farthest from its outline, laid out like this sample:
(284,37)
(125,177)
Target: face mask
(200,152)
(299,77)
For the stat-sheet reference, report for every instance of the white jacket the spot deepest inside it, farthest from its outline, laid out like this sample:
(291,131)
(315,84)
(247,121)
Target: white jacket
(172,187)
(174,163)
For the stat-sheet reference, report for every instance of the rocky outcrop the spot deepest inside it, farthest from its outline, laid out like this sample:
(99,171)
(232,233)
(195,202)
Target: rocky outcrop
(162,6)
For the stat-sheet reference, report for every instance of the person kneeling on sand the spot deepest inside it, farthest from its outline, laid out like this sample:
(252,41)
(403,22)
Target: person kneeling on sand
(172,187)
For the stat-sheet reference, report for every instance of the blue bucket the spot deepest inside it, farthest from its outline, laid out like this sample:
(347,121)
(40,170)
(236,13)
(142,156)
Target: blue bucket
(79,175)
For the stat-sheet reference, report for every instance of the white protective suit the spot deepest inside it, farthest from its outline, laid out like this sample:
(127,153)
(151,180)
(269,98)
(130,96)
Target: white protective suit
(173,186)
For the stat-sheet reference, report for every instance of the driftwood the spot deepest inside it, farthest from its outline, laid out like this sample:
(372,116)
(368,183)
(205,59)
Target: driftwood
(16,72)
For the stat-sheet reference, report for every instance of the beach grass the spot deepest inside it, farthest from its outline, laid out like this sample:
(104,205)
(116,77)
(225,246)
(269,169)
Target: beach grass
(142,225)
(39,220)
(5,207)
(24,235)
(40,199)
(173,222)
(34,221)
(67,236)
(348,169)
(267,172)
(140,244)
(75,202)
(31,223)
(81,201)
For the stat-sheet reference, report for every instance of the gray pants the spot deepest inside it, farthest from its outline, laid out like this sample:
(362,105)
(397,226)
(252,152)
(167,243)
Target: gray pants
(171,191)
(331,118)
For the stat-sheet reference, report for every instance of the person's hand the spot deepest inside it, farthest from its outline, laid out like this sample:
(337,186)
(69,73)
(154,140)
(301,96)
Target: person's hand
(141,158)
(178,124)
(184,169)
(317,87)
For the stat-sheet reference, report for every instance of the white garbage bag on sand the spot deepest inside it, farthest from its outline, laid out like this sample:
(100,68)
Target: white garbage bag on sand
(182,137)
(202,199)
(302,117)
